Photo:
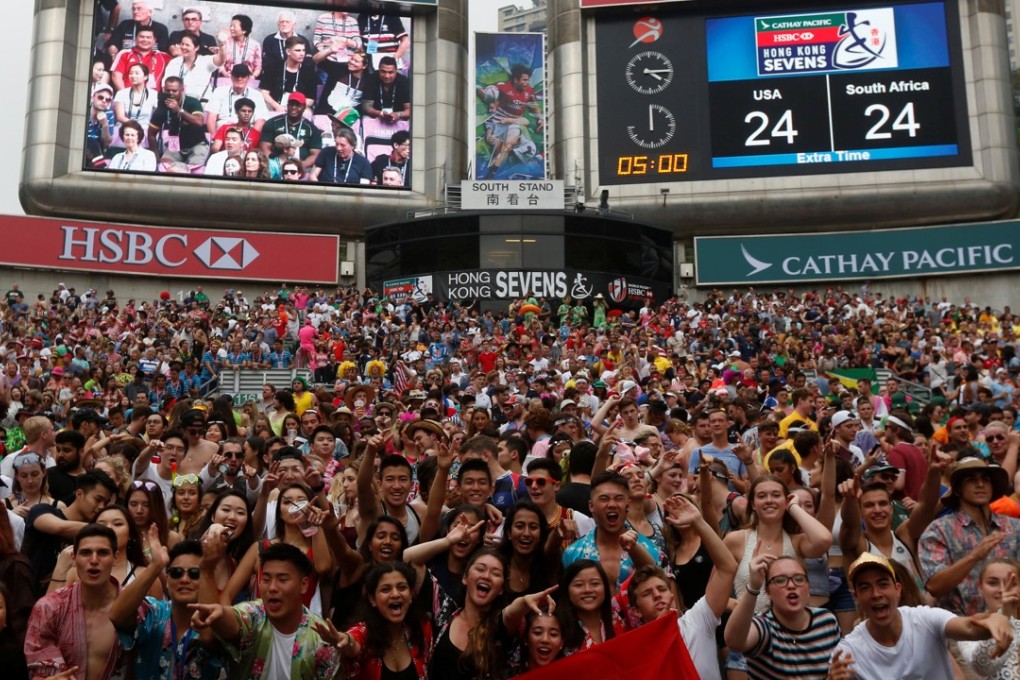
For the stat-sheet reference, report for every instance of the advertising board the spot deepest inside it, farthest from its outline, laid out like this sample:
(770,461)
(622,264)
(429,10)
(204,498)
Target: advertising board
(828,88)
(157,251)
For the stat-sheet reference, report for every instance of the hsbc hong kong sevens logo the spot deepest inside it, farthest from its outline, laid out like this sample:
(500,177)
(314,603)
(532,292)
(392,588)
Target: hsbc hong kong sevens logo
(864,38)
(224,252)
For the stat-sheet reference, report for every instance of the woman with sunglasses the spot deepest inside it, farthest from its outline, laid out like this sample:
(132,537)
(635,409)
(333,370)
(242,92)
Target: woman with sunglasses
(789,638)
(146,507)
(30,486)
(298,524)
(186,505)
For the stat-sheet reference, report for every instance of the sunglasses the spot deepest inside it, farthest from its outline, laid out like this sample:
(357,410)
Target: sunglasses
(181,480)
(27,459)
(177,572)
(996,438)
(540,482)
(238,455)
(144,484)
(292,172)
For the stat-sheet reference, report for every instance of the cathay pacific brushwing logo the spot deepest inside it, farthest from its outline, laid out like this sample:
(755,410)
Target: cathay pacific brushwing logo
(757,266)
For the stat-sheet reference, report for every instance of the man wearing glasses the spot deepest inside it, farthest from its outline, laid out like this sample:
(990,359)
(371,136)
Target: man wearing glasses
(226,470)
(100,126)
(200,450)
(160,630)
(544,479)
(192,20)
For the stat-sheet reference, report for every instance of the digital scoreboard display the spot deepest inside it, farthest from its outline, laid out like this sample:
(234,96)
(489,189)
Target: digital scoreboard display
(685,94)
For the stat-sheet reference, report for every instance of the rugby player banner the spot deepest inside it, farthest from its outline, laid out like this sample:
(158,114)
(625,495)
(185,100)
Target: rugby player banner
(510,139)
(914,252)
(655,651)
(56,244)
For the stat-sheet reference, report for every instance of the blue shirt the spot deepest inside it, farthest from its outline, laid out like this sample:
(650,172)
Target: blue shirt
(734,464)
(586,548)
(158,654)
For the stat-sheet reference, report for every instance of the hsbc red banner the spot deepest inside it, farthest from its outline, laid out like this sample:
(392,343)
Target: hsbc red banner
(160,251)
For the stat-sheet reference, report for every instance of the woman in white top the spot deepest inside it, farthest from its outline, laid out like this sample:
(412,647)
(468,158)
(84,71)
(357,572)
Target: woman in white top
(136,102)
(999,584)
(196,70)
(134,157)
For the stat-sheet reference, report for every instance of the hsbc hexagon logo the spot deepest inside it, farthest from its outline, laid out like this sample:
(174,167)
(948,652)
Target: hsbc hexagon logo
(618,290)
(225,252)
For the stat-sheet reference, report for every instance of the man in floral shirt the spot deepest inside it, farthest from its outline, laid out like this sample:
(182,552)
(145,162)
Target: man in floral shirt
(168,648)
(273,638)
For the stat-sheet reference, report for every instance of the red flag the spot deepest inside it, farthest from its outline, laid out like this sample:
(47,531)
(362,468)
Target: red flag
(654,651)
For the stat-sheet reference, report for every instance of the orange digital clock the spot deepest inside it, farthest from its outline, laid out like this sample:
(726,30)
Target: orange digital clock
(664,164)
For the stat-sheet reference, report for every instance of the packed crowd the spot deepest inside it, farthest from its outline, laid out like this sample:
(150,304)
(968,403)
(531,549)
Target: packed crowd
(445,493)
(334,109)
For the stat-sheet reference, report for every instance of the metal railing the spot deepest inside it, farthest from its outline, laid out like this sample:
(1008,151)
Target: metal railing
(245,384)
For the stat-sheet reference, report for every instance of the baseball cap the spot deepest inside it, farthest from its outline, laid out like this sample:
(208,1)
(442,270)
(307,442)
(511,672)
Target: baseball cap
(298,97)
(841,417)
(869,561)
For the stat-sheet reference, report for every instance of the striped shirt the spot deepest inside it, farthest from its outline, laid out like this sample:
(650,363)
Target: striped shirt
(782,653)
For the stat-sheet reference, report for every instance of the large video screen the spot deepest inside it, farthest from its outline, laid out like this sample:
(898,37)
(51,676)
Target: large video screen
(236,91)
(829,87)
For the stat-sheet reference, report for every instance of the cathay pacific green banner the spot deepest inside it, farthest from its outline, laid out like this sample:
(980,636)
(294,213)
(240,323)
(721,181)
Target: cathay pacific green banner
(854,255)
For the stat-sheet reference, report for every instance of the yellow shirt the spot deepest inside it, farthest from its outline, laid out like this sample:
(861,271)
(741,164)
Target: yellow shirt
(302,402)
(784,424)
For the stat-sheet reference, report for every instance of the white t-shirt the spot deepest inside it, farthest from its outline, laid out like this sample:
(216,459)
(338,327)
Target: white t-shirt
(279,664)
(919,654)
(697,627)
(151,473)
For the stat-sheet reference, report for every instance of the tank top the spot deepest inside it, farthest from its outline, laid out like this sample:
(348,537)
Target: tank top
(692,576)
(901,553)
(408,673)
(413,522)
(744,568)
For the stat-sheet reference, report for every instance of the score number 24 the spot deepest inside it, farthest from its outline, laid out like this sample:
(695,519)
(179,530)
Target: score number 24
(904,122)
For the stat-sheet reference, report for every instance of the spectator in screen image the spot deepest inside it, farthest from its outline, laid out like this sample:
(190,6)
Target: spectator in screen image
(387,94)
(191,19)
(392,177)
(134,158)
(285,148)
(336,37)
(341,164)
(177,128)
(143,52)
(245,110)
(295,74)
(256,165)
(125,35)
(345,89)
(508,102)
(222,104)
(233,145)
(291,171)
(137,101)
(383,35)
(232,166)
(195,69)
(100,127)
(274,47)
(399,158)
(238,47)
(293,123)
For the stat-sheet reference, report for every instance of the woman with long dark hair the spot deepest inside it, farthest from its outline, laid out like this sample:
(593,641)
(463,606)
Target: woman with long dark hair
(19,587)
(585,608)
(227,534)
(525,533)
(146,507)
(385,541)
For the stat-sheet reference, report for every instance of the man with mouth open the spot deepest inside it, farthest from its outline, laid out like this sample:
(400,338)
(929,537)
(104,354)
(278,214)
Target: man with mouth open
(70,629)
(618,547)
(904,642)
(274,637)
(159,629)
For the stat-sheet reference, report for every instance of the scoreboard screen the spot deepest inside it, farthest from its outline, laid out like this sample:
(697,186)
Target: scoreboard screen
(686,94)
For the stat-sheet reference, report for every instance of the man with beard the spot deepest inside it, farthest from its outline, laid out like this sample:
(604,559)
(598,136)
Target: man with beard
(618,549)
(226,470)
(49,529)
(160,630)
(70,628)
(63,477)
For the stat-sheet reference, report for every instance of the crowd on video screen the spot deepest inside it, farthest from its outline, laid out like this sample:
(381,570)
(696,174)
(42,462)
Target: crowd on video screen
(250,92)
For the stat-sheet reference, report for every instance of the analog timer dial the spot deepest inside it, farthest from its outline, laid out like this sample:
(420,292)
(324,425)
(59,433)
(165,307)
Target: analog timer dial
(649,72)
(655,130)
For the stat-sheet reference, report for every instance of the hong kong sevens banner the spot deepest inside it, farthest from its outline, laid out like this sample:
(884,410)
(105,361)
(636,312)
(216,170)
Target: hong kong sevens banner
(652,652)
